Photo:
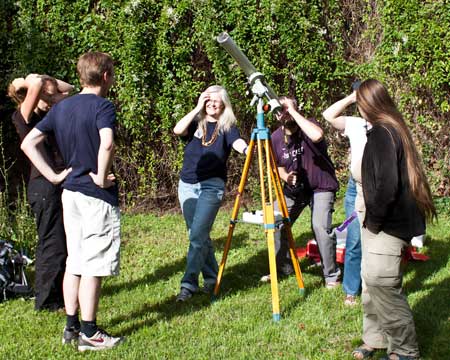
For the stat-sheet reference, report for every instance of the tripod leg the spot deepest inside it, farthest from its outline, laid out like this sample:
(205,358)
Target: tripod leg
(287,225)
(270,231)
(234,215)
(269,227)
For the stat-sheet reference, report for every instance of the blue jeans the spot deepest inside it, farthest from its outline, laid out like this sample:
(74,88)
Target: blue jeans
(200,203)
(352,264)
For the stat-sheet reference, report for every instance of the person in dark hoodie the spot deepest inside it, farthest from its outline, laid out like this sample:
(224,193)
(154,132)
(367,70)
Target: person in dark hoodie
(398,202)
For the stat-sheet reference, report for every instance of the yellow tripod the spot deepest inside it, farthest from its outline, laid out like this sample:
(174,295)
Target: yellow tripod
(269,168)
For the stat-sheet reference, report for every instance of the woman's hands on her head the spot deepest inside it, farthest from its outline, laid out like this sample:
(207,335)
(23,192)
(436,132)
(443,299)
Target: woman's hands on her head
(33,79)
(30,80)
(204,97)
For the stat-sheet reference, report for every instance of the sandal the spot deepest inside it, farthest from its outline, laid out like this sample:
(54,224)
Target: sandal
(362,352)
(350,300)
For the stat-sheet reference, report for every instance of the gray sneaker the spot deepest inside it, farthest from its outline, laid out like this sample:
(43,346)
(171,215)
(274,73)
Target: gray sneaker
(70,335)
(101,340)
(184,295)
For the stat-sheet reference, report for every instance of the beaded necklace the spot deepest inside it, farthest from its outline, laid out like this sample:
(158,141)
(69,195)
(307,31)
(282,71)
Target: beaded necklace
(213,136)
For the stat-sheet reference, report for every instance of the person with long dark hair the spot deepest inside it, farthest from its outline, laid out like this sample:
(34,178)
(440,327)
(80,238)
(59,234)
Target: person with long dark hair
(398,202)
(210,131)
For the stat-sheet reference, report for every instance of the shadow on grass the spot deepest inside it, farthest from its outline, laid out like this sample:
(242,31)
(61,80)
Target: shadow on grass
(167,271)
(160,274)
(166,310)
(432,312)
(432,318)
(237,278)
(238,240)
(246,275)
(237,275)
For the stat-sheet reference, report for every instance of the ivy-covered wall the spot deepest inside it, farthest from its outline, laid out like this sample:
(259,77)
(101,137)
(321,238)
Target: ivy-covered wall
(166,53)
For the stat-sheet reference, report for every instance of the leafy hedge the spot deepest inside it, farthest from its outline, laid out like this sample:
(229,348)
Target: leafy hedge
(166,53)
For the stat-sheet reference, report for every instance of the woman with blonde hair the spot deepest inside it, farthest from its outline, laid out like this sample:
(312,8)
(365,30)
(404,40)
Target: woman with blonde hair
(398,202)
(210,132)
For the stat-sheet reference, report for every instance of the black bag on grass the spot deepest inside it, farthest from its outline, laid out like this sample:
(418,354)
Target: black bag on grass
(13,281)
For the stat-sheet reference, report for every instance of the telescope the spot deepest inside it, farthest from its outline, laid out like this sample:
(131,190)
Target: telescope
(256,79)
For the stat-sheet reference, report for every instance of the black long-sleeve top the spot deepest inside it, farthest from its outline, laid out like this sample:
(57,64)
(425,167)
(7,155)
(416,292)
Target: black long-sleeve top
(390,206)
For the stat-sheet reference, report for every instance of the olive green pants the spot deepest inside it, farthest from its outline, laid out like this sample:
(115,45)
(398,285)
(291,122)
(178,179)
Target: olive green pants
(387,321)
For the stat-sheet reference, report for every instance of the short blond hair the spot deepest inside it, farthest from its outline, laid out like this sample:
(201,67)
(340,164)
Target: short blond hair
(92,65)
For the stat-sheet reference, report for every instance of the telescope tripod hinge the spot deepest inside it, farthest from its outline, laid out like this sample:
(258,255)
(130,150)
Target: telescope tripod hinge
(269,226)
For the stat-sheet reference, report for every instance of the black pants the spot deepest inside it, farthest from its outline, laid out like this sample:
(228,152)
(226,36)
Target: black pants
(51,250)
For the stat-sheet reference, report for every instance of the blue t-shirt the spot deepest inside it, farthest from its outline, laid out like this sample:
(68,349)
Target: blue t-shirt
(76,122)
(205,162)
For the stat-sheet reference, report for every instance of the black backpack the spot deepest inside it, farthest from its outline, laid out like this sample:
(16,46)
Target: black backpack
(13,281)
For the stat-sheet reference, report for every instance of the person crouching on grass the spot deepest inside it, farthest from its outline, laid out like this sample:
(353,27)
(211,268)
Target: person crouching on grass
(210,132)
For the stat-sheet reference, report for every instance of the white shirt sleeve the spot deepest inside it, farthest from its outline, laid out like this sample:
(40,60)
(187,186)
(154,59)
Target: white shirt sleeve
(355,130)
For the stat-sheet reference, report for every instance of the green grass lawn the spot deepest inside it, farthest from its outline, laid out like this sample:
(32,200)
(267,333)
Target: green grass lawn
(140,303)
